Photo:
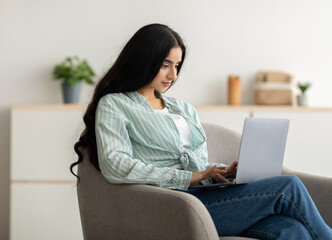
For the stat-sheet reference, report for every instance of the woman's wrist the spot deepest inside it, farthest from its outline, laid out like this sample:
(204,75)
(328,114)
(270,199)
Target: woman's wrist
(195,178)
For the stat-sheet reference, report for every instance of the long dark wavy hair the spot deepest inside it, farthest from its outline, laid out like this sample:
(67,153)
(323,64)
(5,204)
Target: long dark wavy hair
(137,65)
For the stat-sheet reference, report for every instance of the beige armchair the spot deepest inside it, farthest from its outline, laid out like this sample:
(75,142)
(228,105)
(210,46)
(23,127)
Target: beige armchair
(143,212)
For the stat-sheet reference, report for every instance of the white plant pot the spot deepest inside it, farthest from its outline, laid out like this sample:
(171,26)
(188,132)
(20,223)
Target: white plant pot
(302,100)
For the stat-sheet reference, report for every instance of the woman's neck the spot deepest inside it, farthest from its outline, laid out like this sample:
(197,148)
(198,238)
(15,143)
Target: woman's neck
(153,100)
(148,93)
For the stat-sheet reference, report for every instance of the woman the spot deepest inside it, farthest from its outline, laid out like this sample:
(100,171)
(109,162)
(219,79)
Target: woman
(135,134)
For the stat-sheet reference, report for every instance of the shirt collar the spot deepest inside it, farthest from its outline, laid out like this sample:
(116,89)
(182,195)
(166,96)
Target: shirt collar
(139,98)
(166,101)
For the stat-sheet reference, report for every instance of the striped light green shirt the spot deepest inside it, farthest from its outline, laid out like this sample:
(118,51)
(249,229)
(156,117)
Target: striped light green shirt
(137,145)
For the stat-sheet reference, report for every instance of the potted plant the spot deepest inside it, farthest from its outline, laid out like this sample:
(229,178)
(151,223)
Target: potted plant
(302,99)
(72,72)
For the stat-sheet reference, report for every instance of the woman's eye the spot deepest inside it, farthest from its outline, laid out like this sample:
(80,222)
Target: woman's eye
(164,66)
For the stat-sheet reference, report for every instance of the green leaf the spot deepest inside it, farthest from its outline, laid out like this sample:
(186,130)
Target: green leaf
(89,81)
(72,70)
(304,86)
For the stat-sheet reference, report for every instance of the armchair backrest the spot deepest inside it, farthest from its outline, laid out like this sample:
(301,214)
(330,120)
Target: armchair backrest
(223,144)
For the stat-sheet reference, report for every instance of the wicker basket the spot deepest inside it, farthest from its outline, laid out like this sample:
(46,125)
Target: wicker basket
(274,88)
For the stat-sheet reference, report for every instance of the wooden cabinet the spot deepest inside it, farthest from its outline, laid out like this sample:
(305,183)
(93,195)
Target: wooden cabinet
(43,201)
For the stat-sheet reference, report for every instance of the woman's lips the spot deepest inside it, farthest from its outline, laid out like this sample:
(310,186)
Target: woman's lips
(166,84)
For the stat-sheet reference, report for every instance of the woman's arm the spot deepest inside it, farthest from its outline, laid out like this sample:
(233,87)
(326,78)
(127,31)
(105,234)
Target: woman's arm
(115,154)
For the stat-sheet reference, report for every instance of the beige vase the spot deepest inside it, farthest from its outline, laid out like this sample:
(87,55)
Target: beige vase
(234,91)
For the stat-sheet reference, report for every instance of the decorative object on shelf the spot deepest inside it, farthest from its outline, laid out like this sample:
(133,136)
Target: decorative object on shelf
(274,88)
(234,90)
(73,71)
(302,98)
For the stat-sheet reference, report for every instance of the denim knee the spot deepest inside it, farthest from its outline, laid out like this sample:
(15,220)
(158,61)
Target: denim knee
(291,180)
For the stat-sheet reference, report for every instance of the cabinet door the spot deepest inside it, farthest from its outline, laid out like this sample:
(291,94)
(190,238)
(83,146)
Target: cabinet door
(309,141)
(42,143)
(44,211)
(230,119)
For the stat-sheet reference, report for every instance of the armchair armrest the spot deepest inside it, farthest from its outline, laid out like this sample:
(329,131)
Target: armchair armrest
(320,190)
(156,213)
(141,212)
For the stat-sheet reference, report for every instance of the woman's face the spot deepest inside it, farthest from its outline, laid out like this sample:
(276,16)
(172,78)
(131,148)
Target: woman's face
(168,71)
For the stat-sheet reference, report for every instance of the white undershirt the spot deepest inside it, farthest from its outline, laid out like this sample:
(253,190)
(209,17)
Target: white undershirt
(183,128)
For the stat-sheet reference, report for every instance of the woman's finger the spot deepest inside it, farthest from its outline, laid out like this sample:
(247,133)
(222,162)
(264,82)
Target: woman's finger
(221,178)
(222,167)
(234,164)
(221,172)
(208,171)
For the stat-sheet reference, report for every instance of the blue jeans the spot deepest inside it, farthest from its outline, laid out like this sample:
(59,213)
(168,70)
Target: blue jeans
(272,208)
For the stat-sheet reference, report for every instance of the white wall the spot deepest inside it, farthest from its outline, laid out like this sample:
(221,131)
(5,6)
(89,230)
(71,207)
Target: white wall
(223,37)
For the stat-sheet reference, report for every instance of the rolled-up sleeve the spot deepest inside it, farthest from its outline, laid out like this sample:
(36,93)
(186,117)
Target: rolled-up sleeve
(115,153)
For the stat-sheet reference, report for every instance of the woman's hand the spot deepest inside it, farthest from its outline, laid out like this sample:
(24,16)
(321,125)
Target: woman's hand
(232,169)
(215,172)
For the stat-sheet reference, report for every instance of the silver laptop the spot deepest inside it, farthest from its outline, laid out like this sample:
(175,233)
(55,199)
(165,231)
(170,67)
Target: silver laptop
(261,152)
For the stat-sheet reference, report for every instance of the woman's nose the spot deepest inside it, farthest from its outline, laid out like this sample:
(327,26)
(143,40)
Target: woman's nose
(172,74)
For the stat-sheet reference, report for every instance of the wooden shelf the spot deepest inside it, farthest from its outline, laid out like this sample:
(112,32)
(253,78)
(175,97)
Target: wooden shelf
(265,108)
(75,107)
